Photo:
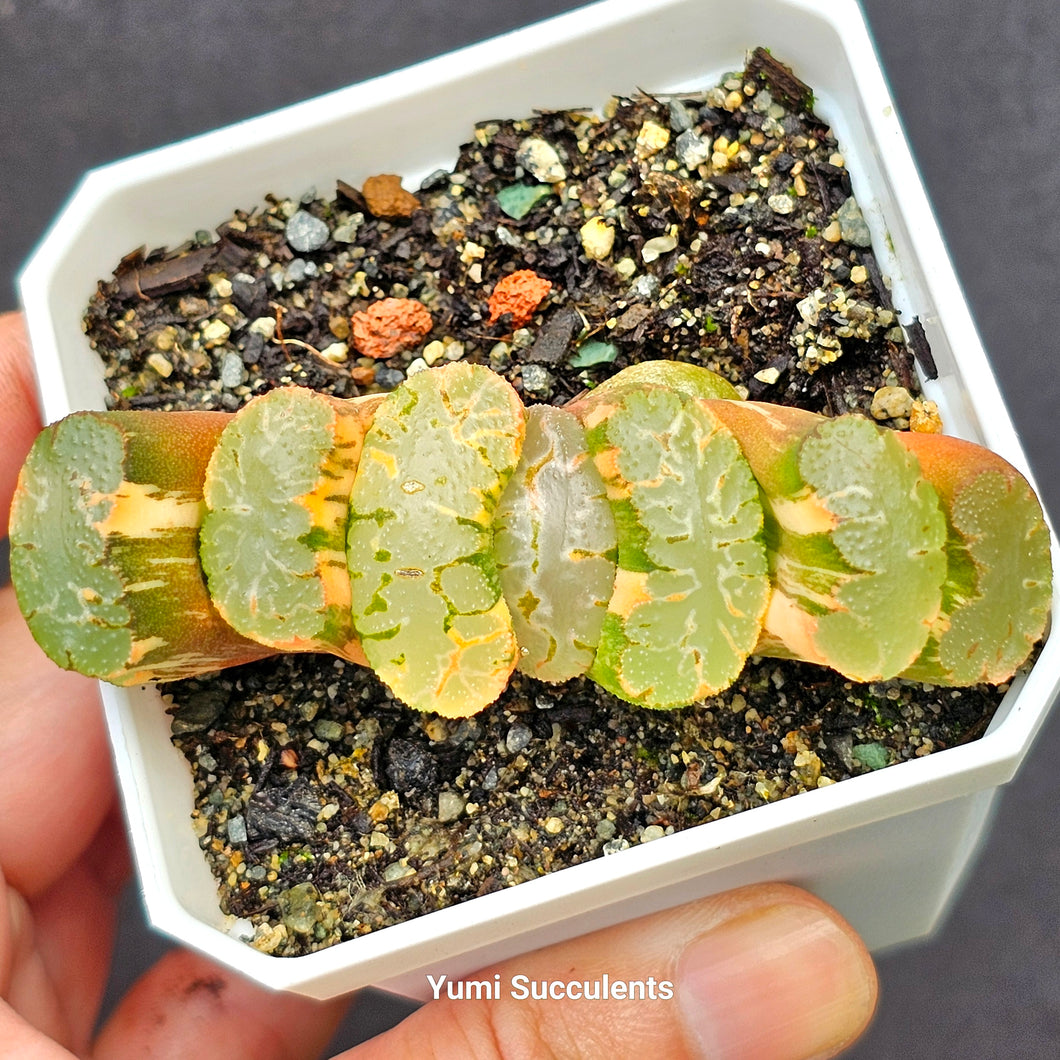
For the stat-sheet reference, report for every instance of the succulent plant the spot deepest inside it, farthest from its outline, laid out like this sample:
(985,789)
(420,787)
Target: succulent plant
(105,547)
(652,535)
(273,538)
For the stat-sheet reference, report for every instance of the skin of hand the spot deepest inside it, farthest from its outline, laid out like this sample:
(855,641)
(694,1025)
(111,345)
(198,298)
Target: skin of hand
(766,971)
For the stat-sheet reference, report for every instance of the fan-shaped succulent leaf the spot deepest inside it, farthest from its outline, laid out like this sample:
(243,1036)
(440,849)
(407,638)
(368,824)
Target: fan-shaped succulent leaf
(891,531)
(691,379)
(855,534)
(104,547)
(692,584)
(274,535)
(555,546)
(999,582)
(427,600)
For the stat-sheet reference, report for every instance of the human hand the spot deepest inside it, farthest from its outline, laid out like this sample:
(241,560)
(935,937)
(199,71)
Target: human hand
(762,972)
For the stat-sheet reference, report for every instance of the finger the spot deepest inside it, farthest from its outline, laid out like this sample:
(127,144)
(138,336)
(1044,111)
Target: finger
(56,783)
(762,973)
(185,1006)
(74,921)
(25,1041)
(19,418)
(55,955)
(28,997)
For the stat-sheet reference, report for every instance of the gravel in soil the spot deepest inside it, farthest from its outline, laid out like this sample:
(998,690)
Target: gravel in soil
(717,228)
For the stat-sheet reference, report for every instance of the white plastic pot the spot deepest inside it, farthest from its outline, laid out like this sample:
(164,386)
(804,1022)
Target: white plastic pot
(887,848)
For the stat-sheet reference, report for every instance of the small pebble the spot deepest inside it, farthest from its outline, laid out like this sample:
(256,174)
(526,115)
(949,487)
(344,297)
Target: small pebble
(541,160)
(263,326)
(252,346)
(386,198)
(691,149)
(328,730)
(345,233)
(198,711)
(522,339)
(680,118)
(605,829)
(220,286)
(852,224)
(390,326)
(411,766)
(656,247)
(165,339)
(644,288)
(537,380)
(237,829)
(295,272)
(450,805)
(651,139)
(250,294)
(500,356)
(519,294)
(872,755)
(519,735)
(924,418)
(653,831)
(437,178)
(301,908)
(891,403)
(306,233)
(215,333)
(242,929)
(598,237)
(336,353)
(161,364)
(433,352)
(231,374)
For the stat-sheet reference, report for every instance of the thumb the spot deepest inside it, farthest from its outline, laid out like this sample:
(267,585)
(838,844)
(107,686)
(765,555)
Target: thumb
(762,973)
(19,418)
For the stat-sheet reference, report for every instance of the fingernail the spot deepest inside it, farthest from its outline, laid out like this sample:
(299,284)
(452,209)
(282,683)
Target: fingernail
(785,982)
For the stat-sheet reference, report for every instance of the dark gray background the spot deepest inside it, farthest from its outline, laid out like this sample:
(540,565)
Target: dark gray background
(978,85)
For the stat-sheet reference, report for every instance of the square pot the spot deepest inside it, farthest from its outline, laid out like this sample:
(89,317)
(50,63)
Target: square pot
(886,848)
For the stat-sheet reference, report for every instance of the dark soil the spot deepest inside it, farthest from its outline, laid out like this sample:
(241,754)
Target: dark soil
(326,809)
